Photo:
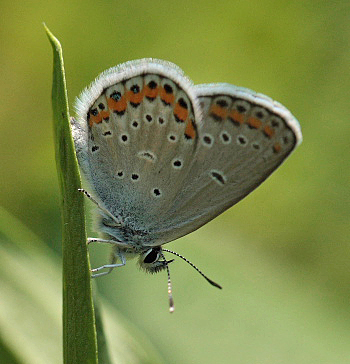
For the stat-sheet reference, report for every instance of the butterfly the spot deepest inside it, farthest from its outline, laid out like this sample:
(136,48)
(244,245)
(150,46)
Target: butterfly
(164,156)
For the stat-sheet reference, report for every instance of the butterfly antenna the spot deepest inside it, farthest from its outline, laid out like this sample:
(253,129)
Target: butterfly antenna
(87,194)
(193,266)
(170,291)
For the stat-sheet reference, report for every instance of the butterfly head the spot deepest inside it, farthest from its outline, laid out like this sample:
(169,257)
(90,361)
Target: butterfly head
(152,260)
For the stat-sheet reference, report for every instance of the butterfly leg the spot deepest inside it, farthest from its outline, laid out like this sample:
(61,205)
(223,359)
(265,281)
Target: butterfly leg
(106,241)
(87,194)
(110,266)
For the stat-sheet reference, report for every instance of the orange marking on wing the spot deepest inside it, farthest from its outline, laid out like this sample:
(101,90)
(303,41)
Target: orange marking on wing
(95,119)
(151,92)
(277,148)
(117,106)
(268,131)
(104,114)
(168,98)
(134,98)
(254,123)
(218,111)
(180,112)
(190,130)
(236,116)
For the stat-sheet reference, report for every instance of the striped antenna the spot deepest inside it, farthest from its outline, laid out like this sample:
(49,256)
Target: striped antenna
(170,291)
(193,266)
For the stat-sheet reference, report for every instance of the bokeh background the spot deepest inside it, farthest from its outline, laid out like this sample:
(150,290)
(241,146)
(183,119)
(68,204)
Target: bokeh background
(282,255)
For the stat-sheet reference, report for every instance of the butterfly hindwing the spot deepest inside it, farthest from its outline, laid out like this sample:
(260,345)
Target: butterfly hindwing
(141,137)
(242,138)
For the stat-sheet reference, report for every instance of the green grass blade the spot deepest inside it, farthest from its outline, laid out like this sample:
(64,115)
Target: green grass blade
(79,334)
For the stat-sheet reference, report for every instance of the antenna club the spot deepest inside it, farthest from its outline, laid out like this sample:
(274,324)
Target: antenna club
(171,305)
(214,283)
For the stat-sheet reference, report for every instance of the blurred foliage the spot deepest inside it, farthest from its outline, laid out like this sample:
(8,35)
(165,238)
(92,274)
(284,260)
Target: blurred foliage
(31,309)
(282,254)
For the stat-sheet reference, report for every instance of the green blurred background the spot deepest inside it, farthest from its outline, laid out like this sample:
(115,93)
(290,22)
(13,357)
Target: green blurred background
(282,255)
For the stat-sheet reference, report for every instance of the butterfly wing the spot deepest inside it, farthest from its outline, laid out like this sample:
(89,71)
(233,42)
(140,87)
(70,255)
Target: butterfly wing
(135,137)
(242,138)
(165,157)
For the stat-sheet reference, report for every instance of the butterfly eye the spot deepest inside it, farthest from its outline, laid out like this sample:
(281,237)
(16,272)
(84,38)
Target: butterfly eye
(151,256)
